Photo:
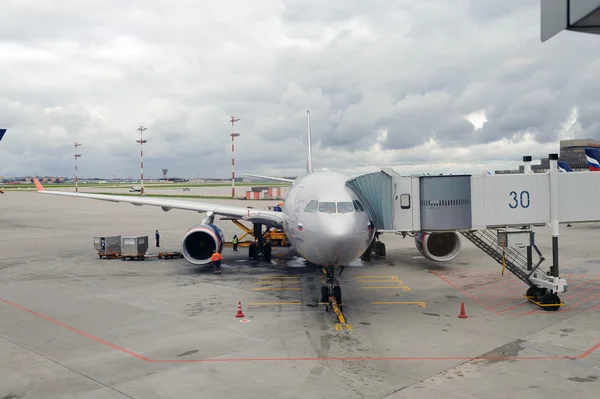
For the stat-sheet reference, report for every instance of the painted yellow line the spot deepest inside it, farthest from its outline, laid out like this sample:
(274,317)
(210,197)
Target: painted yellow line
(380,281)
(392,277)
(274,277)
(387,286)
(276,289)
(273,303)
(337,310)
(277,282)
(421,304)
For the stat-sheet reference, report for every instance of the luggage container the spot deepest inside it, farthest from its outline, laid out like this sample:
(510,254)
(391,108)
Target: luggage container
(134,247)
(108,246)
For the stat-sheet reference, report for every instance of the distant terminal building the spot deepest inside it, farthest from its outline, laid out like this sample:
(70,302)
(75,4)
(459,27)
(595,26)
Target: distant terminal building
(263,193)
(571,152)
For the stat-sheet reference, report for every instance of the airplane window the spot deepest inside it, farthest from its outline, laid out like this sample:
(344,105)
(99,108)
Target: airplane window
(358,206)
(315,206)
(309,206)
(327,207)
(344,207)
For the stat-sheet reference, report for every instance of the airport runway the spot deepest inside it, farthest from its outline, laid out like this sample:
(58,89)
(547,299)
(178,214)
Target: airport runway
(75,326)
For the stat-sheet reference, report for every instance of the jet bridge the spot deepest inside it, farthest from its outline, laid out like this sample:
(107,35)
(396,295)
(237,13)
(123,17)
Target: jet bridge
(473,205)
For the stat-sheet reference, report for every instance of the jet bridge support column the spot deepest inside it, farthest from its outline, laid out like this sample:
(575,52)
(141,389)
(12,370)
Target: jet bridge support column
(553,158)
(527,169)
(527,164)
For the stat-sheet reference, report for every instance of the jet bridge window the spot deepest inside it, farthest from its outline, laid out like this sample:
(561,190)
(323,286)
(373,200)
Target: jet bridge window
(345,207)
(327,207)
(405,201)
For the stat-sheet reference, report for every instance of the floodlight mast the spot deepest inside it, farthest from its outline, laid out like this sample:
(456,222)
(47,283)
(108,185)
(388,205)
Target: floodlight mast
(233,135)
(76,156)
(141,141)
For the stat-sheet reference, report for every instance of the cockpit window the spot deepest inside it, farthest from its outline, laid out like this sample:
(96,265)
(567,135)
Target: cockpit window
(327,207)
(345,207)
(309,206)
(314,207)
(358,206)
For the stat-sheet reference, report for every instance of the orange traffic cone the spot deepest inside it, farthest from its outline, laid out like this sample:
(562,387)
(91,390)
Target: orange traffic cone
(239,312)
(463,314)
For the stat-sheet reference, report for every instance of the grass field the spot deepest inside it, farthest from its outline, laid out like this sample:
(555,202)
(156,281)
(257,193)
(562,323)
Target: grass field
(147,185)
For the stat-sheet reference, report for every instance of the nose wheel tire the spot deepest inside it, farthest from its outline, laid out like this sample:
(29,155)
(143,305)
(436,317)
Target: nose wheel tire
(324,294)
(337,294)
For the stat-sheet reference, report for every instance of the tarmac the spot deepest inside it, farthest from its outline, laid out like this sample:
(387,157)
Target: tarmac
(76,326)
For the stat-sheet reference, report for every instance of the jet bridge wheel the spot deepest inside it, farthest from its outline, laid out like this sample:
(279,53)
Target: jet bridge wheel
(550,299)
(535,292)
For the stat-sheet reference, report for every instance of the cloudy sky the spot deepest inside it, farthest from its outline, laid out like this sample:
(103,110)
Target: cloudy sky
(406,84)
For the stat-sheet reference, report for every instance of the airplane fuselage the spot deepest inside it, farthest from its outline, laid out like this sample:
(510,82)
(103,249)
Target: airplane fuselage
(325,221)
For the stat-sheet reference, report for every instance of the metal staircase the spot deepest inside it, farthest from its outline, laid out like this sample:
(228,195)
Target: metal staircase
(542,286)
(515,261)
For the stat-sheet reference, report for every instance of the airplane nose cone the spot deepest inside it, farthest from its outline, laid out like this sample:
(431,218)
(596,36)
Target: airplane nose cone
(344,239)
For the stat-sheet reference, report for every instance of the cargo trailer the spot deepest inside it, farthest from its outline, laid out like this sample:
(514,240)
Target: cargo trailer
(108,246)
(134,247)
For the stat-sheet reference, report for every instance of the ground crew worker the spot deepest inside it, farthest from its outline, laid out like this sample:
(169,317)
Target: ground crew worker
(157,236)
(216,261)
(235,242)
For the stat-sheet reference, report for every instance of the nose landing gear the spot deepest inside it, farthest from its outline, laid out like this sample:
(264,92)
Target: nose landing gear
(331,293)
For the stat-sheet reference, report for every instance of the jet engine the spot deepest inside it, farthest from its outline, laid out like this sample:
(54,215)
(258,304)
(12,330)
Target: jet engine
(200,241)
(439,247)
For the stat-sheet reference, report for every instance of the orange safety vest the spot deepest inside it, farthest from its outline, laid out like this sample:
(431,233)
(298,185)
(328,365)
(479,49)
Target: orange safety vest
(215,257)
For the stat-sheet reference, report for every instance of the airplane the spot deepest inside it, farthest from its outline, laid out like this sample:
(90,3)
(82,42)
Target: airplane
(323,219)
(593,158)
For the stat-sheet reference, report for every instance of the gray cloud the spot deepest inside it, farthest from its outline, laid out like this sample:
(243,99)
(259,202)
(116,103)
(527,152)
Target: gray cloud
(387,83)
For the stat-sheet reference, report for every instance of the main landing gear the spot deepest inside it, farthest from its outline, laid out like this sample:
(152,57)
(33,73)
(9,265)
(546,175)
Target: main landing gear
(331,293)
(377,247)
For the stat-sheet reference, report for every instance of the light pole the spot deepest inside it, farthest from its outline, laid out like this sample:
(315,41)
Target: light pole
(76,156)
(141,141)
(233,135)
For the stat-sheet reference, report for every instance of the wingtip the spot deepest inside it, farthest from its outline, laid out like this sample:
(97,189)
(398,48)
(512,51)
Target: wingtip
(38,185)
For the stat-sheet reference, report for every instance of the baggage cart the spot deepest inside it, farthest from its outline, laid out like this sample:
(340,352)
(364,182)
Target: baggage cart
(134,247)
(108,247)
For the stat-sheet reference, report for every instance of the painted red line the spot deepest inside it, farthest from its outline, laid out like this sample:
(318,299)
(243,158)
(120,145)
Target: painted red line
(590,351)
(75,330)
(362,359)
(583,301)
(465,293)
(581,292)
(294,359)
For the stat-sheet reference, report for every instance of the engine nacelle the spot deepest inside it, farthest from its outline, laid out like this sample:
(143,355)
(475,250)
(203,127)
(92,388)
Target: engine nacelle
(200,241)
(439,247)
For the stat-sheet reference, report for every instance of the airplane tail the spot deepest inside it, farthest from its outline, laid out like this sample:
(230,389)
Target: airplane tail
(308,144)
(593,158)
(2,131)
(564,167)
(309,168)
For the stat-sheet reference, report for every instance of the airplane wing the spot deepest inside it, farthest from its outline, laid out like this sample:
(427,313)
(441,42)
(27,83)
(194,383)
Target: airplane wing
(270,178)
(269,218)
